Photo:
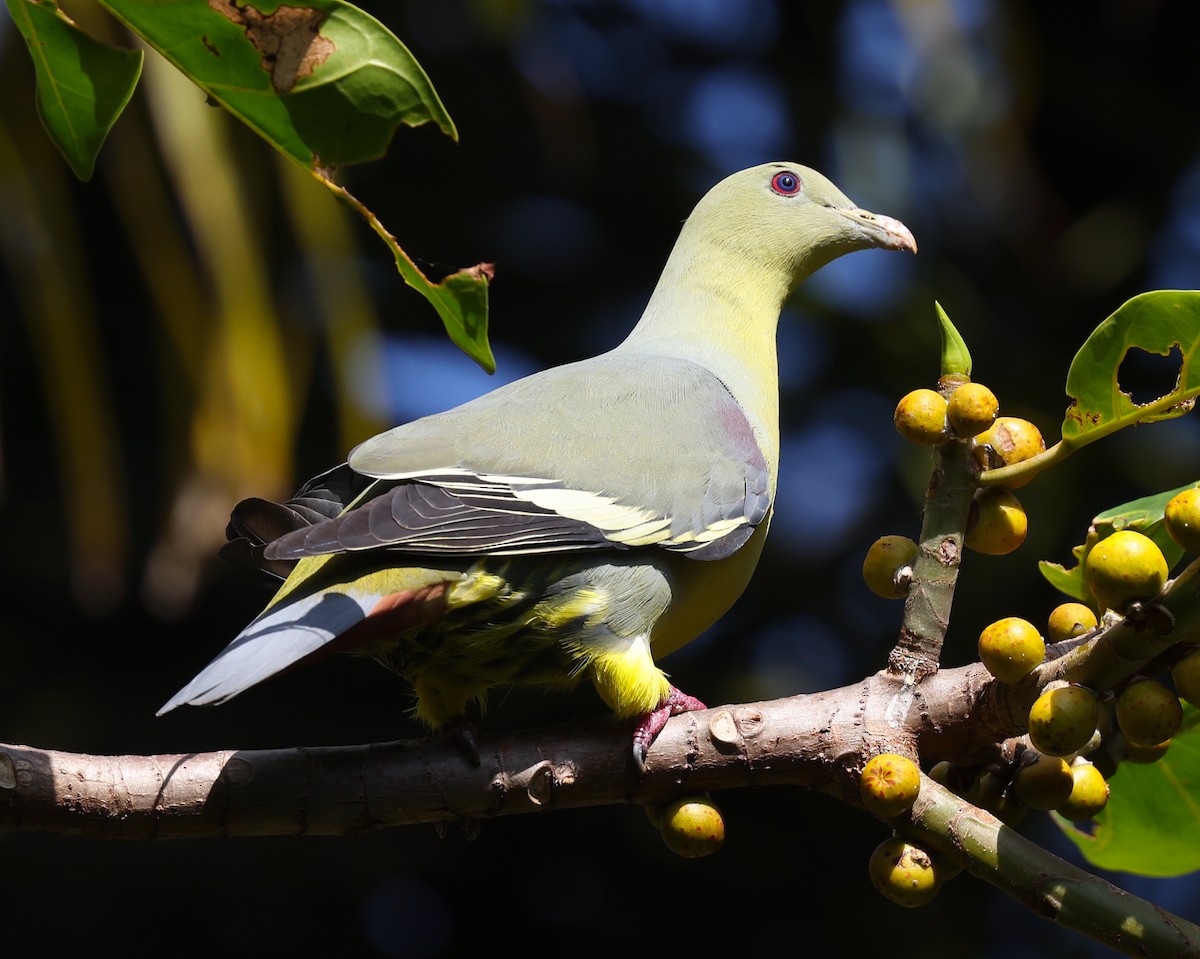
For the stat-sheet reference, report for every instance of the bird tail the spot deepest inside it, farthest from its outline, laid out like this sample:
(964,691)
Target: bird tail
(280,637)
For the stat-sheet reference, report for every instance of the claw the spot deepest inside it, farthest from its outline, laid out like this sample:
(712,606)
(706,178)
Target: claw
(652,723)
(464,733)
(469,829)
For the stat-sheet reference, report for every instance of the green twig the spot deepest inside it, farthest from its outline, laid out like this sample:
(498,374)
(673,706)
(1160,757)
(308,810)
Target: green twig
(1048,885)
(935,570)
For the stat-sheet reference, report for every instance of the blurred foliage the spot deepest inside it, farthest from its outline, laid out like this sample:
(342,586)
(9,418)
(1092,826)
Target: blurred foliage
(200,322)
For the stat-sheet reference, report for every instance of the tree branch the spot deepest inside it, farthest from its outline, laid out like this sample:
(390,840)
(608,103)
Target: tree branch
(817,741)
(1048,885)
(935,570)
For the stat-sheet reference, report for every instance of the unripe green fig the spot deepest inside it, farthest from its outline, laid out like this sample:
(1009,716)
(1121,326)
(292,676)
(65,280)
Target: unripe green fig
(997,523)
(1089,794)
(692,827)
(971,409)
(889,784)
(1010,648)
(1043,782)
(904,873)
(1182,519)
(1124,567)
(921,417)
(1069,620)
(1148,713)
(1010,440)
(1062,720)
(886,557)
(1186,676)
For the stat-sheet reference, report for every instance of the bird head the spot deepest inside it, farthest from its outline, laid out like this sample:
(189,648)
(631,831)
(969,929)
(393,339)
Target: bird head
(792,217)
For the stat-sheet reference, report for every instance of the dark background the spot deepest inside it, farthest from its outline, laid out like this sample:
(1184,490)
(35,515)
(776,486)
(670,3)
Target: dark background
(1046,157)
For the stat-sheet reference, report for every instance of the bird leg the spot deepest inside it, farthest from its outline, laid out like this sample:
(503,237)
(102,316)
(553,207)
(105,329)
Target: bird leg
(652,723)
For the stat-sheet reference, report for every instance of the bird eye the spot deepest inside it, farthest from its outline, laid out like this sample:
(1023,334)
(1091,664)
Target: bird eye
(785,183)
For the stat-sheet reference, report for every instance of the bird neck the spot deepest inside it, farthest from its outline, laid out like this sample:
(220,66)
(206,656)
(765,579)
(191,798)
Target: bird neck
(719,307)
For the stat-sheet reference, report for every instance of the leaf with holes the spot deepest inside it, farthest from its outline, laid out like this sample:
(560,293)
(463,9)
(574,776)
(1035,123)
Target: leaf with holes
(1163,322)
(327,85)
(323,82)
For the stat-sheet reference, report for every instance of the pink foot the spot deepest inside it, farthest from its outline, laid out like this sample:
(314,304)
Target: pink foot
(651,724)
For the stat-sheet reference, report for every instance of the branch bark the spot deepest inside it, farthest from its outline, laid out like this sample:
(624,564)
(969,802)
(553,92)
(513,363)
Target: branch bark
(817,741)
(1051,887)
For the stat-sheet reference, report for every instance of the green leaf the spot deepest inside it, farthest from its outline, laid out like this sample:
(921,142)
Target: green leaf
(1144,515)
(461,299)
(463,308)
(1151,824)
(956,358)
(1068,581)
(322,81)
(82,84)
(1156,322)
(327,85)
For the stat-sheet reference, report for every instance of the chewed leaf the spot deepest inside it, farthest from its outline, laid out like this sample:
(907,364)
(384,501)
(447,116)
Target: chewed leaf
(461,300)
(325,83)
(1163,322)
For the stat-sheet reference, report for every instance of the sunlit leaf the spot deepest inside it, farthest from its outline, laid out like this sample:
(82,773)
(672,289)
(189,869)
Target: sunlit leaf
(82,84)
(327,85)
(1146,516)
(465,303)
(1068,581)
(322,81)
(956,358)
(1151,824)
(1157,322)
(461,299)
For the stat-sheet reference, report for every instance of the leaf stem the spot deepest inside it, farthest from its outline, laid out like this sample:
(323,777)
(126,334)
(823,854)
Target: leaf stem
(1071,444)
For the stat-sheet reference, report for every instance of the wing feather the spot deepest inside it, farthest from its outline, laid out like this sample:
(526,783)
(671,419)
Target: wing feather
(513,472)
